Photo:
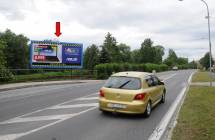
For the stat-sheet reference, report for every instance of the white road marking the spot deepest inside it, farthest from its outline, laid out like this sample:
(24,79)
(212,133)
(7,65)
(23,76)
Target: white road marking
(190,78)
(162,126)
(52,106)
(58,118)
(89,98)
(74,106)
(11,136)
(16,136)
(6,95)
(37,118)
(170,76)
(94,95)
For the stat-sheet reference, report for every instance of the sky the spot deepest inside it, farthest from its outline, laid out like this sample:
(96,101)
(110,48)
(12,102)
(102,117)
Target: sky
(181,26)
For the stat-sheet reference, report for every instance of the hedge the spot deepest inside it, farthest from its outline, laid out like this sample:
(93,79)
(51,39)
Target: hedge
(5,75)
(181,67)
(11,76)
(105,70)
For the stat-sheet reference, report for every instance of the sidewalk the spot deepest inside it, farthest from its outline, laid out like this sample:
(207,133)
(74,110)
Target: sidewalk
(202,84)
(35,84)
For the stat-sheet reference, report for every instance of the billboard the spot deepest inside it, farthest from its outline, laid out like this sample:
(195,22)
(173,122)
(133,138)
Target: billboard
(48,54)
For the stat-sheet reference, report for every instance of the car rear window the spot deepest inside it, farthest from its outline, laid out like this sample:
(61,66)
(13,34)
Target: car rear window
(130,83)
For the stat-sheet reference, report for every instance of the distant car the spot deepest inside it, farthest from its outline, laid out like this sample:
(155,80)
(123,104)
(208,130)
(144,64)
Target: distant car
(175,68)
(131,93)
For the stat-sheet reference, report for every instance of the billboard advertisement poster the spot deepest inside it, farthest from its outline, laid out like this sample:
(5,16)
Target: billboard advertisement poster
(62,55)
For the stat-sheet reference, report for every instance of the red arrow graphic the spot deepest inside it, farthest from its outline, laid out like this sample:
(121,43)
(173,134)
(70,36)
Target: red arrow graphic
(57,33)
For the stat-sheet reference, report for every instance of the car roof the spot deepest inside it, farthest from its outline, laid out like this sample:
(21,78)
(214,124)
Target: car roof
(132,74)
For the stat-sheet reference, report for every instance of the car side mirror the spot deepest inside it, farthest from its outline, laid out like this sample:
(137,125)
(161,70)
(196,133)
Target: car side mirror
(161,83)
(150,83)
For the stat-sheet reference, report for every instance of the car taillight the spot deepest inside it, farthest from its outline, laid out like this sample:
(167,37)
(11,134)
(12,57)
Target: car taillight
(101,93)
(140,96)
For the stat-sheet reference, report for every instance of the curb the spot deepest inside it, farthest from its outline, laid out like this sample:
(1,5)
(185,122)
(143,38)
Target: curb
(164,128)
(173,121)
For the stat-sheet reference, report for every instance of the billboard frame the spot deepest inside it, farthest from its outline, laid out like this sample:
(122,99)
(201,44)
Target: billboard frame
(55,67)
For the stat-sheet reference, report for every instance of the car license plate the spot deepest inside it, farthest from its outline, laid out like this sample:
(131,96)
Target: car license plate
(120,106)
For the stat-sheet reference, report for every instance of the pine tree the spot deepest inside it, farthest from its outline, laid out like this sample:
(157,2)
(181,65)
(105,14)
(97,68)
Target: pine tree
(104,56)
(110,44)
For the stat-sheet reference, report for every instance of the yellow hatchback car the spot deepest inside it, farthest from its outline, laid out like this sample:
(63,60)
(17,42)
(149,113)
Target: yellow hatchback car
(131,93)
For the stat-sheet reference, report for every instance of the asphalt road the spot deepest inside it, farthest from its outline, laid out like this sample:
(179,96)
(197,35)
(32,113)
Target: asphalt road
(70,112)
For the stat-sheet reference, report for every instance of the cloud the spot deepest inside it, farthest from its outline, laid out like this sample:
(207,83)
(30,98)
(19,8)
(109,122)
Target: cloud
(15,9)
(173,24)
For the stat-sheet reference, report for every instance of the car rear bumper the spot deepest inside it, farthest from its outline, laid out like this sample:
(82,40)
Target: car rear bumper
(135,107)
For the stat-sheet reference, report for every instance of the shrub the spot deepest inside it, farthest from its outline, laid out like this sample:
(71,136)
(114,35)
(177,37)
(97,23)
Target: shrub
(103,71)
(126,66)
(183,67)
(5,75)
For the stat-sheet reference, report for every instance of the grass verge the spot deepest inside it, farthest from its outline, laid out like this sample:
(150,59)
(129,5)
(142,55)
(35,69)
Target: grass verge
(197,116)
(202,77)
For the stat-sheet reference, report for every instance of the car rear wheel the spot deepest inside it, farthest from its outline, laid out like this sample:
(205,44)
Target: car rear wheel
(163,98)
(148,110)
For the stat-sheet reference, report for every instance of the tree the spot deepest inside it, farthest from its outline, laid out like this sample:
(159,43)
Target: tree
(204,61)
(104,56)
(125,52)
(2,55)
(147,52)
(16,50)
(182,61)
(193,64)
(171,60)
(135,56)
(91,57)
(159,53)
(111,47)
(150,53)
(5,74)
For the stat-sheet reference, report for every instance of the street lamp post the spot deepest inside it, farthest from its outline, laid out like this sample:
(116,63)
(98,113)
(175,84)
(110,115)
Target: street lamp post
(209,39)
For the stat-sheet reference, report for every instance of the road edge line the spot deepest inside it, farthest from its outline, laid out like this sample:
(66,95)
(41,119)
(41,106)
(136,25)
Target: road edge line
(161,128)
(174,119)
